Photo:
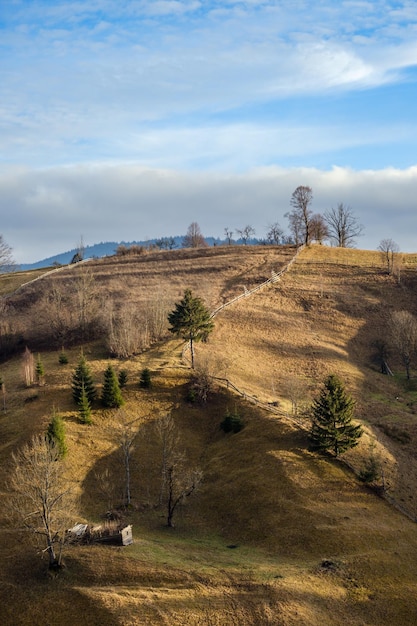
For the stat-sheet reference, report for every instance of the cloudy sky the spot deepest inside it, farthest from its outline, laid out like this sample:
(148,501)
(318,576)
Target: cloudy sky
(129,119)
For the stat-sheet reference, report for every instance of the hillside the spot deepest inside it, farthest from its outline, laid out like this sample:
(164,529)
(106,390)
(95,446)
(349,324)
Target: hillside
(275,534)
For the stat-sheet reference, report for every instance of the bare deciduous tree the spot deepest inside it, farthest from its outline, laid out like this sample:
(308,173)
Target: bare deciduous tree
(296,389)
(127,434)
(343,226)
(403,329)
(6,257)
(300,216)
(318,228)
(229,235)
(169,442)
(182,481)
(388,249)
(246,233)
(274,234)
(194,237)
(28,367)
(178,478)
(42,499)
(128,332)
(86,297)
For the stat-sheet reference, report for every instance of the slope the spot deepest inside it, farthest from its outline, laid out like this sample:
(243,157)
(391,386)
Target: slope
(275,535)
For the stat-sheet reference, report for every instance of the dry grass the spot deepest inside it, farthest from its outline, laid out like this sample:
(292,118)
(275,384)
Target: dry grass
(249,546)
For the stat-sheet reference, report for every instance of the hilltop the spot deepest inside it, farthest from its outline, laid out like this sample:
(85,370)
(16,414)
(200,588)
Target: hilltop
(275,534)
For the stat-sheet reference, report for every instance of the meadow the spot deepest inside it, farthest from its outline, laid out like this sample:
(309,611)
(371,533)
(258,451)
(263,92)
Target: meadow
(275,534)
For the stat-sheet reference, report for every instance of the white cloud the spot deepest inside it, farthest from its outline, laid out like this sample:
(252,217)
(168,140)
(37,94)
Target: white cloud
(48,210)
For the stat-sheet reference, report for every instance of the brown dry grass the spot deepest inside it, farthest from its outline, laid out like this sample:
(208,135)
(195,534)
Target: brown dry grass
(282,509)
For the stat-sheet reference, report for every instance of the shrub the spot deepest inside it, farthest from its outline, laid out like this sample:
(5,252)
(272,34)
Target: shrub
(232,422)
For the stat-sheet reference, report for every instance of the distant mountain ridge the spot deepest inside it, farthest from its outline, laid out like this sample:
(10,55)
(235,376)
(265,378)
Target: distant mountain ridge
(102,249)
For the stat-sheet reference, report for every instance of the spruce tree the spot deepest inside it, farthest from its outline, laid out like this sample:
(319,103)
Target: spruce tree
(56,434)
(82,378)
(111,396)
(145,378)
(191,320)
(332,428)
(84,407)
(122,378)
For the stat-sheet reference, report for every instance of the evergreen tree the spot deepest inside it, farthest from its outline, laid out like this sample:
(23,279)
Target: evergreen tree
(111,396)
(232,422)
(332,428)
(191,320)
(82,378)
(56,434)
(145,378)
(122,378)
(62,359)
(40,371)
(84,407)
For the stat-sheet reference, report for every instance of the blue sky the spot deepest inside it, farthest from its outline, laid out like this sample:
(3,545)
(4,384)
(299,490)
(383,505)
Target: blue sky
(130,119)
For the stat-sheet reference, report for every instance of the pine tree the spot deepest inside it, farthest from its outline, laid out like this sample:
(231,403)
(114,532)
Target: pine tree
(145,378)
(111,396)
(332,428)
(191,320)
(82,378)
(56,434)
(84,407)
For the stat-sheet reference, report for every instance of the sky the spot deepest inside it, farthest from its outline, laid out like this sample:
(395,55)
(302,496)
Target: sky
(125,120)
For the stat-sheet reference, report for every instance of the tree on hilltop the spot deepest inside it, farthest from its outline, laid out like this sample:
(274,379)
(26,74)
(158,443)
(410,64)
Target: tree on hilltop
(388,249)
(245,233)
(191,320)
(343,226)
(332,412)
(300,216)
(194,237)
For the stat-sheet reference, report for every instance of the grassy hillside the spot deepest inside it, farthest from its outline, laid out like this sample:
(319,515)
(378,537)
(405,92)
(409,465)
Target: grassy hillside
(275,534)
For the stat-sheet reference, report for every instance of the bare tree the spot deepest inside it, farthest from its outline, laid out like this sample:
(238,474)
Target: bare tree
(42,500)
(182,481)
(86,297)
(343,226)
(56,313)
(300,216)
(318,228)
(388,249)
(169,442)
(229,235)
(6,257)
(274,234)
(404,337)
(127,434)
(178,478)
(297,391)
(127,331)
(194,238)
(28,367)
(246,233)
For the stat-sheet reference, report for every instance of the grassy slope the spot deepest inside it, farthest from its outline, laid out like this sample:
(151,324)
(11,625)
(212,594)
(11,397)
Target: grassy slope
(283,509)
